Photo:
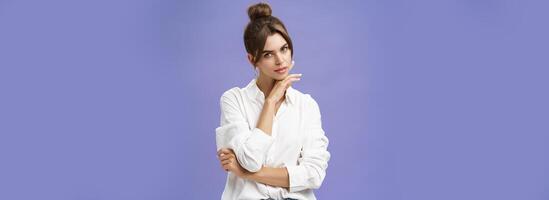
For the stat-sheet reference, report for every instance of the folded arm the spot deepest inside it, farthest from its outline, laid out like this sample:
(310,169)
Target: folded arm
(310,171)
(249,144)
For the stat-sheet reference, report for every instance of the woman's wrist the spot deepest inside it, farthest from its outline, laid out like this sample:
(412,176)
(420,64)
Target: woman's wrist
(247,175)
(270,102)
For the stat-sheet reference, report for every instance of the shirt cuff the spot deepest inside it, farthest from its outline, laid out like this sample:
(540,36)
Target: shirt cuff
(297,182)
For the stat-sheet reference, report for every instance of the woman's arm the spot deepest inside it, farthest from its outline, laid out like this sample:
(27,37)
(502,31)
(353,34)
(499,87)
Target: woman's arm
(277,177)
(250,145)
(271,176)
(265,122)
(310,171)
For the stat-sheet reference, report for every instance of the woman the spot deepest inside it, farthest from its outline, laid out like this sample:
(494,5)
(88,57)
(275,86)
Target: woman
(270,139)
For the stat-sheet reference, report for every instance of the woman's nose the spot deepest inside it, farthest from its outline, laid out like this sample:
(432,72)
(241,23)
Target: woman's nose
(278,59)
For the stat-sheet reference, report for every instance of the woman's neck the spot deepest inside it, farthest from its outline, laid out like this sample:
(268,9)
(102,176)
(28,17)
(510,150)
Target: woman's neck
(265,84)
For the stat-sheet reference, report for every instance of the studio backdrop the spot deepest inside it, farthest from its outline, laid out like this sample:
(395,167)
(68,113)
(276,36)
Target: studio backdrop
(425,99)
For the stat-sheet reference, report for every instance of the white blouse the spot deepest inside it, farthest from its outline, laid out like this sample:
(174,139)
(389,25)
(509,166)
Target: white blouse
(297,143)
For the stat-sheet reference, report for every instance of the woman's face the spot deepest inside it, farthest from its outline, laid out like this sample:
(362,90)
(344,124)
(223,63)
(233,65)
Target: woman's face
(275,61)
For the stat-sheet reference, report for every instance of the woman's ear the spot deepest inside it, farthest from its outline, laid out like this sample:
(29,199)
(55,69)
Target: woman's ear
(251,59)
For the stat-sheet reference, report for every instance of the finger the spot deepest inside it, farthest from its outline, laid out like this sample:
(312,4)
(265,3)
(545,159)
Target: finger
(229,161)
(226,150)
(223,151)
(291,81)
(294,76)
(219,151)
(285,80)
(229,156)
(233,159)
(224,156)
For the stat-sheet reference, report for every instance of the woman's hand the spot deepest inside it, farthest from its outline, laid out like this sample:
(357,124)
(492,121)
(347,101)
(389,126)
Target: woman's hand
(281,86)
(230,163)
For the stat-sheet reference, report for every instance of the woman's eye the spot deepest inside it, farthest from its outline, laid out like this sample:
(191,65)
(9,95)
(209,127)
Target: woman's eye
(267,55)
(284,48)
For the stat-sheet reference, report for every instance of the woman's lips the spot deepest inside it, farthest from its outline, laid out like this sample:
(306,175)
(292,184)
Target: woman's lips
(281,70)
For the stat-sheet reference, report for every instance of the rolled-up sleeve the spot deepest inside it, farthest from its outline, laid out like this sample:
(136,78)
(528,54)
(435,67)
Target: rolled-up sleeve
(311,167)
(249,144)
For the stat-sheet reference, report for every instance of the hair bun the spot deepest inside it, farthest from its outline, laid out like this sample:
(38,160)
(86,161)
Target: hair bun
(259,10)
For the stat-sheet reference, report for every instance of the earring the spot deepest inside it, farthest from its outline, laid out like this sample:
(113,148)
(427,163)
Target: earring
(256,73)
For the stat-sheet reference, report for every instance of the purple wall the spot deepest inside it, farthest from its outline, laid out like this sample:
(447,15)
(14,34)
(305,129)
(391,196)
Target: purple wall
(420,99)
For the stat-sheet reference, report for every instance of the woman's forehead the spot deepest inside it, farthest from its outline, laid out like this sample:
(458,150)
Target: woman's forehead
(274,42)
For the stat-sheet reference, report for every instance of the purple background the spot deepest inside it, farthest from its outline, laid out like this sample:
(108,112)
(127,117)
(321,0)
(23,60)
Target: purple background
(420,99)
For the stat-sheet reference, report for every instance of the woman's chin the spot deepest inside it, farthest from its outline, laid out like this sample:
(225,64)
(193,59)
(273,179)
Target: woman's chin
(280,77)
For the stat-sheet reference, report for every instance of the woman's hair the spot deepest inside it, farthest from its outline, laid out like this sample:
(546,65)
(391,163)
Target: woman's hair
(262,24)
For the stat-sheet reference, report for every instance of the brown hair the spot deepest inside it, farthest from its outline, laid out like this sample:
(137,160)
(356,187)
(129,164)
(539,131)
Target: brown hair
(262,24)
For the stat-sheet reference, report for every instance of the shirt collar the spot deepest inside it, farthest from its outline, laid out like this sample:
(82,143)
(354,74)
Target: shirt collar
(255,93)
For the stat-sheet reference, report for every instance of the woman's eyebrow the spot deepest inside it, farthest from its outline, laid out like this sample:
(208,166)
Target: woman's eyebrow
(269,51)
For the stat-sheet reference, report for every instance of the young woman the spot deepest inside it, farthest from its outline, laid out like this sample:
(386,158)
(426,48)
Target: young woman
(270,139)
